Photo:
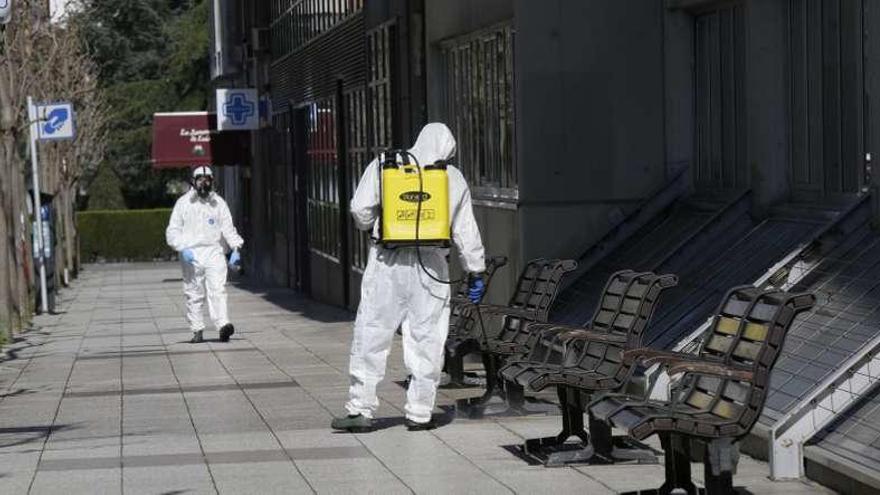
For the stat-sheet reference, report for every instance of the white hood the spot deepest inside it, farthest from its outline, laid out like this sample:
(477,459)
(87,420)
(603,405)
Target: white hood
(435,142)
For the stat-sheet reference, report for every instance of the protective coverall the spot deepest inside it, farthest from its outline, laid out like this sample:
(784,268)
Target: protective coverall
(395,288)
(205,227)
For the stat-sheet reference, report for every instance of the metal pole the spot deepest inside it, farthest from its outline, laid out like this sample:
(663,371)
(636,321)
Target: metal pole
(32,117)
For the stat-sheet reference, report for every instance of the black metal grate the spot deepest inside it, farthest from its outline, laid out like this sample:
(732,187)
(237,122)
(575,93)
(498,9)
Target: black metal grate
(856,435)
(736,255)
(480,108)
(323,180)
(313,72)
(845,319)
(297,22)
(358,156)
(720,97)
(826,58)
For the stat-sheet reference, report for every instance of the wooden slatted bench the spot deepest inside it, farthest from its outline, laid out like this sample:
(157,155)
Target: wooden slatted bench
(581,361)
(720,393)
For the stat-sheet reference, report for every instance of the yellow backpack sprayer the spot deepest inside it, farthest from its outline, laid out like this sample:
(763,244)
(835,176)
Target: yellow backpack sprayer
(415,204)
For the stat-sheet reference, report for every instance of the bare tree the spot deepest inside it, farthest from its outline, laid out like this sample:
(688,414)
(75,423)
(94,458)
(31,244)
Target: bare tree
(46,61)
(74,76)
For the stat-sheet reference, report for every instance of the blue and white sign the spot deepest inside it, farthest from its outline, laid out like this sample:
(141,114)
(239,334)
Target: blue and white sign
(55,121)
(237,110)
(5,11)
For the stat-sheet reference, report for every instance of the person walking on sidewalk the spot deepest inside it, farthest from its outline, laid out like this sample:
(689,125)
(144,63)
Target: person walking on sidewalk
(201,230)
(395,289)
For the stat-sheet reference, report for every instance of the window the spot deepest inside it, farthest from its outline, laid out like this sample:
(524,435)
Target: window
(277,145)
(381,47)
(359,157)
(323,181)
(296,22)
(480,109)
(369,124)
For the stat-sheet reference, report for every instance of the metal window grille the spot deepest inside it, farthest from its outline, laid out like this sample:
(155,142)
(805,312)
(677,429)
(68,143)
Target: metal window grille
(323,180)
(381,46)
(720,124)
(359,156)
(369,117)
(277,146)
(480,109)
(297,22)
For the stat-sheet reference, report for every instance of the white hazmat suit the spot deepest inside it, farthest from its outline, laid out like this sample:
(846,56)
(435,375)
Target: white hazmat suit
(204,226)
(395,289)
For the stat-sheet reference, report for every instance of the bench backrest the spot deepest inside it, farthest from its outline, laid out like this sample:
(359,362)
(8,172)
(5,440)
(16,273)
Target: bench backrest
(747,332)
(627,305)
(535,291)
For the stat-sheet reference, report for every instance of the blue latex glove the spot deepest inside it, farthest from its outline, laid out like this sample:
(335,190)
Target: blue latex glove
(234,259)
(476,289)
(187,256)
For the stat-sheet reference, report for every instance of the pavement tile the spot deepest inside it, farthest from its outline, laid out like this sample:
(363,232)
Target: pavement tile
(114,371)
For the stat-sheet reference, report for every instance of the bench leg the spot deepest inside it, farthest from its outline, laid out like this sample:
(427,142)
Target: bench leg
(719,465)
(476,407)
(619,448)
(490,363)
(454,367)
(678,465)
(554,451)
(603,441)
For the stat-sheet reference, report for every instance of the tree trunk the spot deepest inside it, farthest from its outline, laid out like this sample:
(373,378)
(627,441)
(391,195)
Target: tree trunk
(58,248)
(7,296)
(69,229)
(74,233)
(18,230)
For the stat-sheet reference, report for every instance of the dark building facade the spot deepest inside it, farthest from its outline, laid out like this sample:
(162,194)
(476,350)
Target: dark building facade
(729,142)
(340,80)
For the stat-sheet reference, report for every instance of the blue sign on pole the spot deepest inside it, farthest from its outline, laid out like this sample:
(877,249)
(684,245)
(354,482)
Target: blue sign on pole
(5,11)
(55,121)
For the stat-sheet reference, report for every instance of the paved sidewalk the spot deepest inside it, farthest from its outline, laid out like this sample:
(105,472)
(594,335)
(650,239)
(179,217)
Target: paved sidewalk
(107,397)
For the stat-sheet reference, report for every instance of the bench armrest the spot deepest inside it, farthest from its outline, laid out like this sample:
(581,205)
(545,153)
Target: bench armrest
(593,335)
(496,309)
(715,369)
(649,357)
(566,332)
(549,330)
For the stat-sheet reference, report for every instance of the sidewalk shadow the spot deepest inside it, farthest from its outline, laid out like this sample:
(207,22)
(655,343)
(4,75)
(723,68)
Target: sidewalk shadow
(11,436)
(296,302)
(11,353)
(17,392)
(214,340)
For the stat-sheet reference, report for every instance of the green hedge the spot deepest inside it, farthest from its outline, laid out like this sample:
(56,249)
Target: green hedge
(123,235)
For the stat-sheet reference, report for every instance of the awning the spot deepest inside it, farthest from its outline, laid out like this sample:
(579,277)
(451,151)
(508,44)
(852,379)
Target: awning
(189,139)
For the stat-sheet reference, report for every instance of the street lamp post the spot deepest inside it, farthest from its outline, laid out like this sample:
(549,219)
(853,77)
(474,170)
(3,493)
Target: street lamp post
(38,212)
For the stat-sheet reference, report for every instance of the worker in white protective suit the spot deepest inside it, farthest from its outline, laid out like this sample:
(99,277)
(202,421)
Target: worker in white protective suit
(201,230)
(395,288)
